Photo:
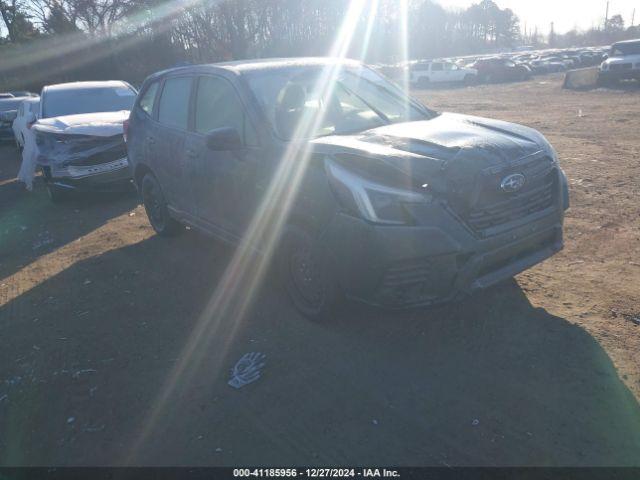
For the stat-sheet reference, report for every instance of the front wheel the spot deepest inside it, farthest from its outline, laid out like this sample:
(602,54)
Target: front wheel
(305,275)
(156,208)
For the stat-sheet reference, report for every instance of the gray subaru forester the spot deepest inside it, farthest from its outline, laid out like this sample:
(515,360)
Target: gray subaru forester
(370,194)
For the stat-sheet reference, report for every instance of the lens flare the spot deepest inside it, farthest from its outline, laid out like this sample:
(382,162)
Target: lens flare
(226,310)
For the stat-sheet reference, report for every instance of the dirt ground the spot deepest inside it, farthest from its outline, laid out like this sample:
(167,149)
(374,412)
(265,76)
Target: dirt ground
(97,318)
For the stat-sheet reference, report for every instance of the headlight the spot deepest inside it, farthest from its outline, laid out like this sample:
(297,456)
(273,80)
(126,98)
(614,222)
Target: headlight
(372,201)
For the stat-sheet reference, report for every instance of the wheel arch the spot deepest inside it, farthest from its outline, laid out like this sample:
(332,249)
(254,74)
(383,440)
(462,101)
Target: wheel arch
(140,171)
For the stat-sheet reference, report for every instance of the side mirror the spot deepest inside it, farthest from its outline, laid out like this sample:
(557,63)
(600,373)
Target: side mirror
(605,56)
(30,117)
(8,116)
(225,138)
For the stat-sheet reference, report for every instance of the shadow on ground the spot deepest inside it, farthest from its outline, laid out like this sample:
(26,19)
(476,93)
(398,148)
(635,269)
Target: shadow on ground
(489,381)
(31,226)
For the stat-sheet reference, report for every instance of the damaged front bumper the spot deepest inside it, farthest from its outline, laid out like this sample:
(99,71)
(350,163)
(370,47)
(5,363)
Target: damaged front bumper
(109,176)
(83,162)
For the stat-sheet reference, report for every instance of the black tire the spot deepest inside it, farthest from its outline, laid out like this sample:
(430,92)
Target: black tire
(56,194)
(156,207)
(304,275)
(423,82)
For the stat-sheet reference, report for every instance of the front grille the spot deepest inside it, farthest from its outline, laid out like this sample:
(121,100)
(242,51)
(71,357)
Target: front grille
(621,66)
(513,207)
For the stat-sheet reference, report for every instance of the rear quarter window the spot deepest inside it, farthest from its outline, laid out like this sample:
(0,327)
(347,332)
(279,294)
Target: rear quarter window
(148,98)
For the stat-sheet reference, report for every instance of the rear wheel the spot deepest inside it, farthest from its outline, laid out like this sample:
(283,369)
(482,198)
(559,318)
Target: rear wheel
(305,276)
(156,208)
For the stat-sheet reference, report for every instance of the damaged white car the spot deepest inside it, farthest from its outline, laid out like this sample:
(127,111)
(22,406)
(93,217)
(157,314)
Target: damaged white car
(78,142)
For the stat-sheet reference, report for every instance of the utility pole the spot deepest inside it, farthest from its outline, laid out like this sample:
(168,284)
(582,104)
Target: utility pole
(606,16)
(633,17)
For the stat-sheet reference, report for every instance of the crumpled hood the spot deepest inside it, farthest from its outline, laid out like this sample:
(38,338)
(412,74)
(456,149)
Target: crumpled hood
(101,124)
(454,146)
(446,137)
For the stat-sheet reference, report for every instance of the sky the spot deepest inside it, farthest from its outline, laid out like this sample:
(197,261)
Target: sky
(566,14)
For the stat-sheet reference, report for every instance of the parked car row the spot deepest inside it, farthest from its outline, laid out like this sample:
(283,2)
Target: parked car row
(397,205)
(505,67)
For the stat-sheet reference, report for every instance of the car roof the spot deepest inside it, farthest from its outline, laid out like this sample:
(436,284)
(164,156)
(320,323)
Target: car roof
(246,66)
(58,87)
(627,42)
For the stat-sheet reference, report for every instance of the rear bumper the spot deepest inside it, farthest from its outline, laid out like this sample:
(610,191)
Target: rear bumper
(402,267)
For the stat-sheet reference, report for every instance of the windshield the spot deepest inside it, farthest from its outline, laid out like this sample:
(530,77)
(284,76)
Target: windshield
(622,49)
(10,104)
(360,100)
(87,100)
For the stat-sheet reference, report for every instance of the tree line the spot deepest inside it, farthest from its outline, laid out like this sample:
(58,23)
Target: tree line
(47,41)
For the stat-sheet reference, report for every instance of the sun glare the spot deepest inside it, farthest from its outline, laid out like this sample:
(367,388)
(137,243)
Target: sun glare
(229,303)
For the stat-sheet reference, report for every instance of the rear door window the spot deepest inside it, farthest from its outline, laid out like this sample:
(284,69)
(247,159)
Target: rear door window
(436,67)
(173,107)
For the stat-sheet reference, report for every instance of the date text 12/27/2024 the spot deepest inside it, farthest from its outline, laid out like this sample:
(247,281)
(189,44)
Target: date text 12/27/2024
(316,472)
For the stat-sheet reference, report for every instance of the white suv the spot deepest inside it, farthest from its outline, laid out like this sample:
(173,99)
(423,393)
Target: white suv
(423,74)
(623,62)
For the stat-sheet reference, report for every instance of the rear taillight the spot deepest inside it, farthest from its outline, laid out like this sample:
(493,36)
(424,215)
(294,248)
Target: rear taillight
(125,129)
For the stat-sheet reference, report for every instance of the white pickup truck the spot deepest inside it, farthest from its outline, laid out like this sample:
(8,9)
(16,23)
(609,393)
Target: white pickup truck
(423,74)
(623,62)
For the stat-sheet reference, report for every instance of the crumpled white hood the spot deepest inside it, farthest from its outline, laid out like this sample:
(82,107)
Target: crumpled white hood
(101,124)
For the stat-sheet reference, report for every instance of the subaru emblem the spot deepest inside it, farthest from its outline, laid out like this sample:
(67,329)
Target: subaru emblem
(512,183)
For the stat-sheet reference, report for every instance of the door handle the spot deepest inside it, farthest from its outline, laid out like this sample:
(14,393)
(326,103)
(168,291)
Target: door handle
(151,140)
(191,153)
